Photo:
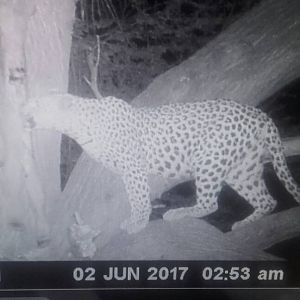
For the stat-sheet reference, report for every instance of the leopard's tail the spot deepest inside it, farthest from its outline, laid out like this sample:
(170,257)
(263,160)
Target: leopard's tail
(275,148)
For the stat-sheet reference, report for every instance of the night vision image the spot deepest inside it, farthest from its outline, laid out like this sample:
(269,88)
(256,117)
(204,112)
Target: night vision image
(149,130)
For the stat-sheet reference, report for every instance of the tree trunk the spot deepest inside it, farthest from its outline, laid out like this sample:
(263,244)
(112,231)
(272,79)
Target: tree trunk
(35,49)
(48,46)
(251,60)
(17,166)
(197,240)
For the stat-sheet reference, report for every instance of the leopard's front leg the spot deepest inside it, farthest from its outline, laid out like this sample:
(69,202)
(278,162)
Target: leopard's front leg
(137,187)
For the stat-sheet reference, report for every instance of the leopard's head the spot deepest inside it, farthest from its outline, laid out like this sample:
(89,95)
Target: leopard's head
(53,111)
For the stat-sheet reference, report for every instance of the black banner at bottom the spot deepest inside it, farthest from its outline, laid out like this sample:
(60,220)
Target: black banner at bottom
(148,274)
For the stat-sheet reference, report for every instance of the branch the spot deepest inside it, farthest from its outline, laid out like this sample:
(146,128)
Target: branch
(269,230)
(237,64)
(291,146)
(185,239)
(93,60)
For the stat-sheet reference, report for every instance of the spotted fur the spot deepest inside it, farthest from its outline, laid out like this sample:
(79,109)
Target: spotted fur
(213,142)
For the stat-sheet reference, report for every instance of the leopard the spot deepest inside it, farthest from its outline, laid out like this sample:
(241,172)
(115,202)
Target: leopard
(213,142)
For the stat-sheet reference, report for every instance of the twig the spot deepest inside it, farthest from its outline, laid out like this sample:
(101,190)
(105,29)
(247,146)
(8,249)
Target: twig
(93,64)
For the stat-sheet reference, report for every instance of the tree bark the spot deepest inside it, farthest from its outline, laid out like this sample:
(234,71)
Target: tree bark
(18,194)
(35,48)
(248,62)
(48,46)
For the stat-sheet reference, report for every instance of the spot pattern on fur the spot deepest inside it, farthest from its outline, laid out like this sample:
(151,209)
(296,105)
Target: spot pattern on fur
(214,142)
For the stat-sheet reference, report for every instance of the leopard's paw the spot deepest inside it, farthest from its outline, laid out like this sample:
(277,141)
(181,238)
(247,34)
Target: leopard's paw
(133,226)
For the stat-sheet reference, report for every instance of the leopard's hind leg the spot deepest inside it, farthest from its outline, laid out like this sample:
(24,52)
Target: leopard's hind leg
(247,180)
(256,193)
(208,185)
